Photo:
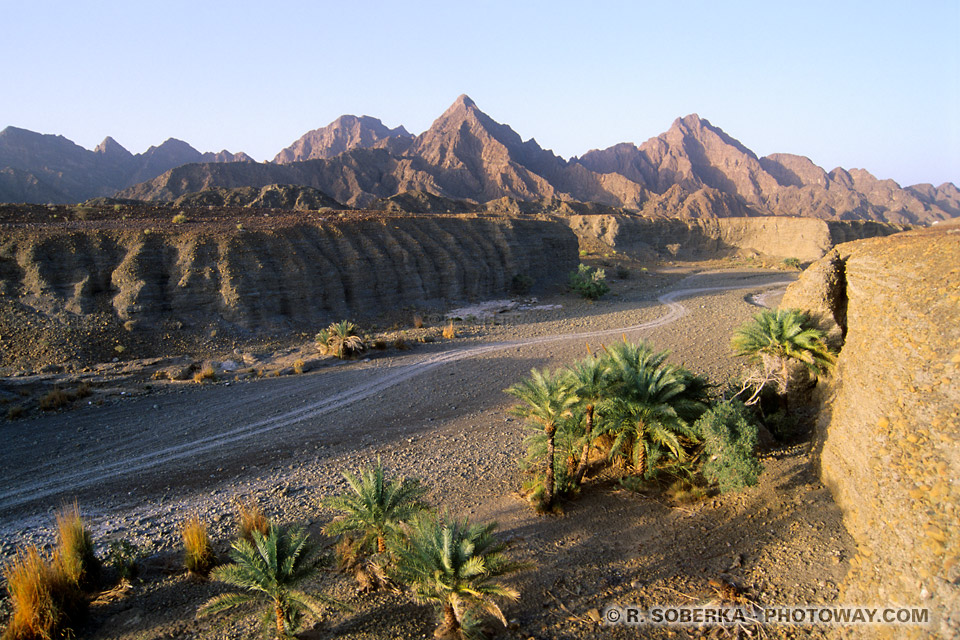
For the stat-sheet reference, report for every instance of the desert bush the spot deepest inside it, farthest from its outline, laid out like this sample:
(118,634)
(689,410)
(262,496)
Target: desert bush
(400,343)
(418,322)
(75,548)
(267,570)
(521,284)
(589,282)
(15,412)
(792,263)
(198,552)
(449,332)
(122,557)
(729,438)
(250,518)
(341,339)
(179,218)
(45,602)
(55,399)
(379,344)
(298,366)
(454,566)
(786,426)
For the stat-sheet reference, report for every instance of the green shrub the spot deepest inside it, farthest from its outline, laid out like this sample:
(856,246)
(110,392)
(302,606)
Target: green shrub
(729,446)
(122,557)
(589,282)
(521,284)
(792,263)
(179,218)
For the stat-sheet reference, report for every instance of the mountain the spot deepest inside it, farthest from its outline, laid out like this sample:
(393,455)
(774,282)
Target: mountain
(344,134)
(693,170)
(37,167)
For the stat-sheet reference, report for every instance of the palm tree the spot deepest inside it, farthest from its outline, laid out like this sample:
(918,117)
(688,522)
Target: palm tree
(372,511)
(454,565)
(652,406)
(547,402)
(777,338)
(268,569)
(341,339)
(588,379)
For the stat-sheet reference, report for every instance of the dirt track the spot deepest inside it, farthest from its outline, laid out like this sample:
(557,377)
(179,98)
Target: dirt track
(140,465)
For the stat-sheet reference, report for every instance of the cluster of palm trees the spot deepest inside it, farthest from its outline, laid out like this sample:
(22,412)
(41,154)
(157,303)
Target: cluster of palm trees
(631,407)
(387,537)
(628,405)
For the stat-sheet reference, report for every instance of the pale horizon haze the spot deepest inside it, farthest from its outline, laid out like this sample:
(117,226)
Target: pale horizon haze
(872,85)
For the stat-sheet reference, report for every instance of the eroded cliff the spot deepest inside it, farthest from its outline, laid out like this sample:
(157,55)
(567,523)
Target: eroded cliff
(889,427)
(803,238)
(257,277)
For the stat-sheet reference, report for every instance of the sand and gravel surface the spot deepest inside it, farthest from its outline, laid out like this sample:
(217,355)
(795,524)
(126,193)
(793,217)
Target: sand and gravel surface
(140,465)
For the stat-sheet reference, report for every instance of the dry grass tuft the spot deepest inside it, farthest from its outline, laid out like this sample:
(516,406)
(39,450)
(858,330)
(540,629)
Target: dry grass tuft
(42,597)
(418,322)
(250,518)
(75,548)
(56,399)
(15,412)
(379,344)
(449,331)
(400,343)
(206,373)
(197,551)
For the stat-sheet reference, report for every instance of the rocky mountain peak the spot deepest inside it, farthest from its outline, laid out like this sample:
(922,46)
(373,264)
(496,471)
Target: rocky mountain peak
(110,147)
(346,133)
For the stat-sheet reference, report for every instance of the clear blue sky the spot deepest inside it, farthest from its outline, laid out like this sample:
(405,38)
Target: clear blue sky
(873,85)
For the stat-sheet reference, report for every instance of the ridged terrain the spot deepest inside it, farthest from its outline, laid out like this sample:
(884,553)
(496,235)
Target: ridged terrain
(889,429)
(802,238)
(294,275)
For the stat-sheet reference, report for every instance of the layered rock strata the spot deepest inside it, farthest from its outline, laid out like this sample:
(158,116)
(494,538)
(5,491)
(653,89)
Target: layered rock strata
(802,238)
(301,274)
(889,430)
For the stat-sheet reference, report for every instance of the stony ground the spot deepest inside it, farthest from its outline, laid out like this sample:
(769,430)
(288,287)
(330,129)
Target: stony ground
(446,421)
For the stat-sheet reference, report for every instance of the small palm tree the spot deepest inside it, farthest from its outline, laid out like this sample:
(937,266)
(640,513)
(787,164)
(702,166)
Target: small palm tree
(777,338)
(588,379)
(268,570)
(652,405)
(455,566)
(547,401)
(341,339)
(372,511)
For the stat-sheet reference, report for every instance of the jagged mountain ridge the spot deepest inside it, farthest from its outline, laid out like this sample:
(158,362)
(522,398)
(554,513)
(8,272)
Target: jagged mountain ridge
(693,170)
(343,134)
(38,167)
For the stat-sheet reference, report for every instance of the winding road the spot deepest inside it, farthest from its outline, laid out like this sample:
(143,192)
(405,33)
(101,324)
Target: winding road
(166,438)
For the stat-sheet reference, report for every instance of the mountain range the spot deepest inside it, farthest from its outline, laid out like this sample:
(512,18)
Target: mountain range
(36,167)
(693,170)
